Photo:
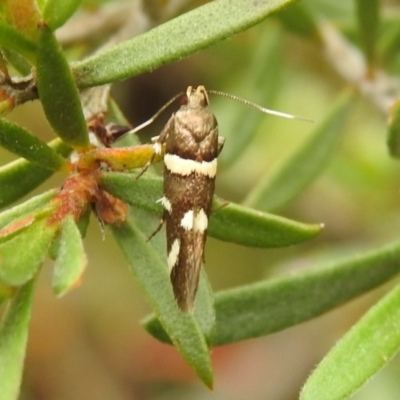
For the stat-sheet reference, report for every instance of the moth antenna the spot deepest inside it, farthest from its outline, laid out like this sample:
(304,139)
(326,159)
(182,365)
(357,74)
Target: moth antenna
(155,116)
(258,107)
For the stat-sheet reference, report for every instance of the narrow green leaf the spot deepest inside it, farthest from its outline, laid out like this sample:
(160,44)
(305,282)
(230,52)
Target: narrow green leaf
(229,222)
(180,37)
(154,327)
(368,21)
(265,307)
(115,114)
(152,275)
(290,178)
(260,84)
(83,223)
(56,13)
(300,20)
(360,354)
(204,310)
(22,255)
(71,258)
(389,39)
(58,93)
(13,40)
(13,339)
(19,62)
(20,177)
(142,193)
(238,224)
(290,300)
(6,292)
(22,143)
(394,130)
(21,210)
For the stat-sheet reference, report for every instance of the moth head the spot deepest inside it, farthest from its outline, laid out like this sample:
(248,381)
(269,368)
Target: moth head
(197,98)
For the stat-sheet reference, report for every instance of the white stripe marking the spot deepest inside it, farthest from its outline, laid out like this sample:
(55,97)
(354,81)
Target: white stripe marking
(173,254)
(157,148)
(165,203)
(182,166)
(198,222)
(201,221)
(187,221)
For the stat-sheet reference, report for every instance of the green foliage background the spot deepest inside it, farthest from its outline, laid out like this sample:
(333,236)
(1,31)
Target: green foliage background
(89,344)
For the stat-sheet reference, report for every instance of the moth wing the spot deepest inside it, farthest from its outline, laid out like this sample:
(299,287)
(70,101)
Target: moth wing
(196,261)
(185,271)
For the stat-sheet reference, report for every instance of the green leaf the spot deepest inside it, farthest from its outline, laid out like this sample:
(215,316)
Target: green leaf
(204,309)
(71,259)
(152,275)
(293,175)
(394,130)
(28,175)
(265,307)
(368,21)
(154,327)
(238,224)
(229,222)
(142,193)
(83,223)
(204,312)
(300,21)
(240,123)
(180,37)
(389,39)
(58,93)
(6,292)
(13,40)
(360,354)
(19,62)
(21,210)
(56,13)
(22,255)
(13,339)
(24,144)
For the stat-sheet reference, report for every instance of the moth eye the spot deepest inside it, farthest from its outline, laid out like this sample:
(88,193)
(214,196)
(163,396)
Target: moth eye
(184,100)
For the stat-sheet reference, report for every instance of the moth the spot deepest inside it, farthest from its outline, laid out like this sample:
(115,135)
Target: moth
(192,146)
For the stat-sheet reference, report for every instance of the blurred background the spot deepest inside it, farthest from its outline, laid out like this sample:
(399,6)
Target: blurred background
(90,345)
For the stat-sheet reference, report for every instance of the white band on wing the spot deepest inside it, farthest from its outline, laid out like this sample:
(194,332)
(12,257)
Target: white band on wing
(184,167)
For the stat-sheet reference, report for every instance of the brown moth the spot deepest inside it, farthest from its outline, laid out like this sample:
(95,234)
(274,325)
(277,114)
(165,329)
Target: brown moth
(191,143)
(190,165)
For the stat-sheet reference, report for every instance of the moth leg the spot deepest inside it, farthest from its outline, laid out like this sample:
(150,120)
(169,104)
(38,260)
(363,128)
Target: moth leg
(158,144)
(157,150)
(224,204)
(167,209)
(100,221)
(160,224)
(146,167)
